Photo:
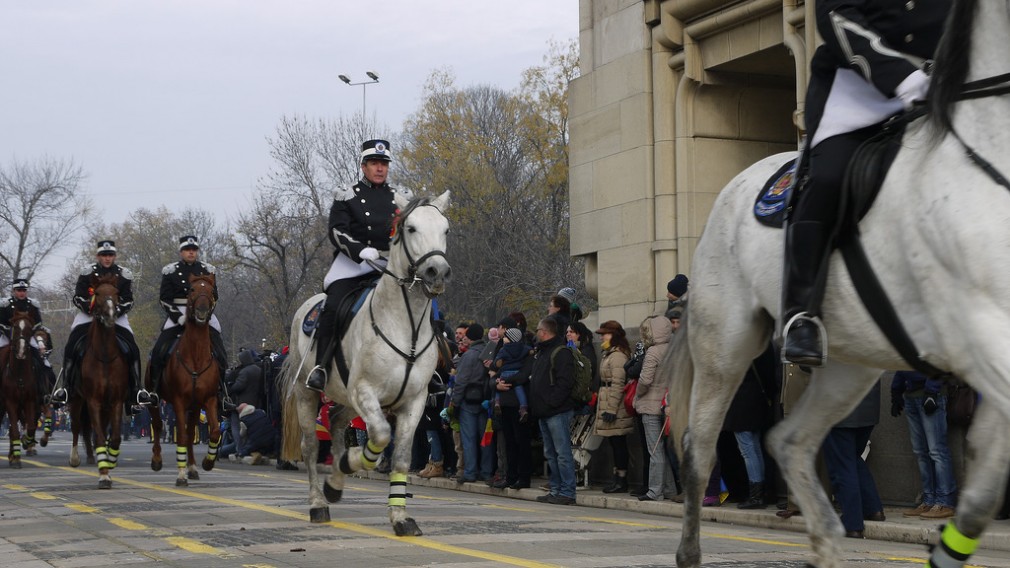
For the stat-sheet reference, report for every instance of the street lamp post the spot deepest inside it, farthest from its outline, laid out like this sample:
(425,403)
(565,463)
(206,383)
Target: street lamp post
(364,86)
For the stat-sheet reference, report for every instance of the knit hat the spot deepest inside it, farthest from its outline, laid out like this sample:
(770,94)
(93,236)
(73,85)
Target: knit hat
(568,294)
(673,314)
(514,335)
(492,334)
(612,327)
(475,332)
(245,409)
(677,286)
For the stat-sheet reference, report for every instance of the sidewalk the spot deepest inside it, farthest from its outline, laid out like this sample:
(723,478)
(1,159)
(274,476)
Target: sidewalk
(895,529)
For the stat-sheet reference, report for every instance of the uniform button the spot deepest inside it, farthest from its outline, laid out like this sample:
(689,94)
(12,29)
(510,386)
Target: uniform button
(909,38)
(367,213)
(910,5)
(369,227)
(362,200)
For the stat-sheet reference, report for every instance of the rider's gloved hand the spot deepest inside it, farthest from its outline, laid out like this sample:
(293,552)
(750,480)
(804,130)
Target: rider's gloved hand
(175,317)
(914,88)
(929,405)
(369,253)
(897,405)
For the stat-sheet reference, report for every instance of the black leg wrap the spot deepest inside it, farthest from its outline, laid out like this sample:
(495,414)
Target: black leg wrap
(345,466)
(332,495)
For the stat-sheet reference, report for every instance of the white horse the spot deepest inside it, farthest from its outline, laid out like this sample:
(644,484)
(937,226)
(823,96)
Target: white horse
(391,355)
(938,237)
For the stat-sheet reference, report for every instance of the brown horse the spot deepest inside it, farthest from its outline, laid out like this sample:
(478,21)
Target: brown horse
(43,340)
(190,383)
(19,387)
(104,380)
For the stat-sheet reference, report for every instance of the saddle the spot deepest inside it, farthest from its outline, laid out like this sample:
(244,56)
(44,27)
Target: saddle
(347,308)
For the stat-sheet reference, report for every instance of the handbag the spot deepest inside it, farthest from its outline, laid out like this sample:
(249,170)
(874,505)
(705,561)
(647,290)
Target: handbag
(961,401)
(630,388)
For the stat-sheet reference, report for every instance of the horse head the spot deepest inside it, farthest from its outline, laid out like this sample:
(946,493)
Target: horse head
(41,336)
(105,299)
(200,302)
(421,231)
(21,333)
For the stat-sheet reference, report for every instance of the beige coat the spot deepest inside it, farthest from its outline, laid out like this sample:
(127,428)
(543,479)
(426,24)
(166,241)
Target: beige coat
(611,396)
(656,332)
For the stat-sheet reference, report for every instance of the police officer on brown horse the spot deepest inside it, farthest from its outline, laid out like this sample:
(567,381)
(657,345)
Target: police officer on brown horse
(20,302)
(361,218)
(174,295)
(105,264)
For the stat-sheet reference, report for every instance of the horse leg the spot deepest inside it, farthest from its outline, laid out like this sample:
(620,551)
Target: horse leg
(156,430)
(75,432)
(214,422)
(14,456)
(305,408)
(333,487)
(183,439)
(989,463)
(101,444)
(191,472)
(47,424)
(379,436)
(115,439)
(832,394)
(406,424)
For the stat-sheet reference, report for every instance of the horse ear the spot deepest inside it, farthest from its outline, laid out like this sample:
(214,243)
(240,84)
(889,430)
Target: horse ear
(442,201)
(401,201)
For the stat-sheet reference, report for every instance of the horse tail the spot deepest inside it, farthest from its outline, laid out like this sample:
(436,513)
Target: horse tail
(291,444)
(678,366)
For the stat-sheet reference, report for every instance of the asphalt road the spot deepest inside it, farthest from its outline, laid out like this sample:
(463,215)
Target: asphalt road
(257,517)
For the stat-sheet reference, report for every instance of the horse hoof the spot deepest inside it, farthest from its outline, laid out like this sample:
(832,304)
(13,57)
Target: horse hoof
(181,482)
(193,474)
(15,465)
(105,484)
(44,442)
(332,495)
(319,514)
(75,463)
(406,527)
(156,465)
(208,464)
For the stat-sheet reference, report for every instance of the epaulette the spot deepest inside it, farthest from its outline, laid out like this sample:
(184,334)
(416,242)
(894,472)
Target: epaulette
(169,268)
(89,269)
(34,302)
(126,273)
(210,268)
(404,192)
(343,193)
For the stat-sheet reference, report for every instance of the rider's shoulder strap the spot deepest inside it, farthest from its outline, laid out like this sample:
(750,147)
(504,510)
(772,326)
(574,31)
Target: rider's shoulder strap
(169,268)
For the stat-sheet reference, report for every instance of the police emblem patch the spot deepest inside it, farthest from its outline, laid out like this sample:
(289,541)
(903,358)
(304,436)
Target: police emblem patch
(309,323)
(380,148)
(769,208)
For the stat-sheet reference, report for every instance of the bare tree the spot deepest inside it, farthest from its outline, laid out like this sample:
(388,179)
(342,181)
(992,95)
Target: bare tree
(42,206)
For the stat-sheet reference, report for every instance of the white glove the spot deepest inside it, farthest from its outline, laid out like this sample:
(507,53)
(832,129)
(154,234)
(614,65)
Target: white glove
(914,88)
(369,253)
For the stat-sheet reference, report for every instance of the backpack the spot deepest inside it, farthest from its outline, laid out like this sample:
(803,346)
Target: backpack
(582,390)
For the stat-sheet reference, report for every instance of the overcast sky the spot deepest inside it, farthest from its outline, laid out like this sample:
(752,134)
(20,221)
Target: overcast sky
(166,101)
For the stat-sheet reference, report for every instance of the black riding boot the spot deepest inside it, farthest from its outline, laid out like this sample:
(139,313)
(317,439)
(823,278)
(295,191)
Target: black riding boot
(324,350)
(755,499)
(805,250)
(139,394)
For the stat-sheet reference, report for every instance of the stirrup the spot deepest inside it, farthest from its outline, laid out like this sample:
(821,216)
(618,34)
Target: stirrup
(149,398)
(312,373)
(60,396)
(821,332)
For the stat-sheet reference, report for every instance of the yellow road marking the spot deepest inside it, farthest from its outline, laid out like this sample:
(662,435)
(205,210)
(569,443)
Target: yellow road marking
(257,566)
(127,524)
(622,523)
(194,546)
(422,542)
(14,487)
(80,508)
(42,496)
(753,540)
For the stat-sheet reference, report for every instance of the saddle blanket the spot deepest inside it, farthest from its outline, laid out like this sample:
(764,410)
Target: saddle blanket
(311,319)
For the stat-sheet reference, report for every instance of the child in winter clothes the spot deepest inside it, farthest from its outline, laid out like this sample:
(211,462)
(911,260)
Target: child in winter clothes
(508,363)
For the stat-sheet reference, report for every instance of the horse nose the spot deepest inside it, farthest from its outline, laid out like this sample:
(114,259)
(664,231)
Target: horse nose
(437,272)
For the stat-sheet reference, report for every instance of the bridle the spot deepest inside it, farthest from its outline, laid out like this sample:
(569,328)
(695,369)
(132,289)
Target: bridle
(406,284)
(201,293)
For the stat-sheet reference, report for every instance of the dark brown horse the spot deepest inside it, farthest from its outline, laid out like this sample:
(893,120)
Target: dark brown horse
(104,380)
(19,387)
(190,383)
(43,340)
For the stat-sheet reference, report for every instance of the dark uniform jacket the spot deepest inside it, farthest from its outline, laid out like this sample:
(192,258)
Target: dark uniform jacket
(870,38)
(248,385)
(12,304)
(83,291)
(362,216)
(259,432)
(175,285)
(550,393)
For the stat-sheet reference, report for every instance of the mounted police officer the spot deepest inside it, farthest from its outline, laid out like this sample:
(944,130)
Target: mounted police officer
(870,67)
(105,265)
(174,296)
(361,218)
(20,302)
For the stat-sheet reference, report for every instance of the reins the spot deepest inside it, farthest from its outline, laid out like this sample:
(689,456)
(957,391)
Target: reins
(996,85)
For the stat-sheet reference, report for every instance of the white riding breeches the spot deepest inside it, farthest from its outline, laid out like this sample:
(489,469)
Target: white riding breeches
(343,268)
(5,341)
(82,319)
(169,323)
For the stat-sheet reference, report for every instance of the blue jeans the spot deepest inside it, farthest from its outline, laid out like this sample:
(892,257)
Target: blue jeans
(557,435)
(929,444)
(661,482)
(472,420)
(851,481)
(435,443)
(750,448)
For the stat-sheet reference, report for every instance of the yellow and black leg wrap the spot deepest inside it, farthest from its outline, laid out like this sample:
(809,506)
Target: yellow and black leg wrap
(180,457)
(102,457)
(16,448)
(212,449)
(47,425)
(954,548)
(397,489)
(370,455)
(27,442)
(113,457)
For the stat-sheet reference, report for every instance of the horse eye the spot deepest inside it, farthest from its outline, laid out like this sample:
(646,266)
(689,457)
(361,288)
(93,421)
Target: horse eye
(411,229)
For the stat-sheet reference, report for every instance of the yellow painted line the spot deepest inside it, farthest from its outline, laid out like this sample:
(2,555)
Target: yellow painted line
(194,546)
(127,524)
(350,527)
(753,540)
(918,560)
(258,566)
(14,487)
(80,508)
(42,496)
(622,523)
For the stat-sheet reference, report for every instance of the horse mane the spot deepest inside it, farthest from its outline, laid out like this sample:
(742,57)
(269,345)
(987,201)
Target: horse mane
(951,68)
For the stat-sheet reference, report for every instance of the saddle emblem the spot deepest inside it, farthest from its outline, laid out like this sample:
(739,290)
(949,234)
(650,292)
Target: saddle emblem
(775,198)
(309,322)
